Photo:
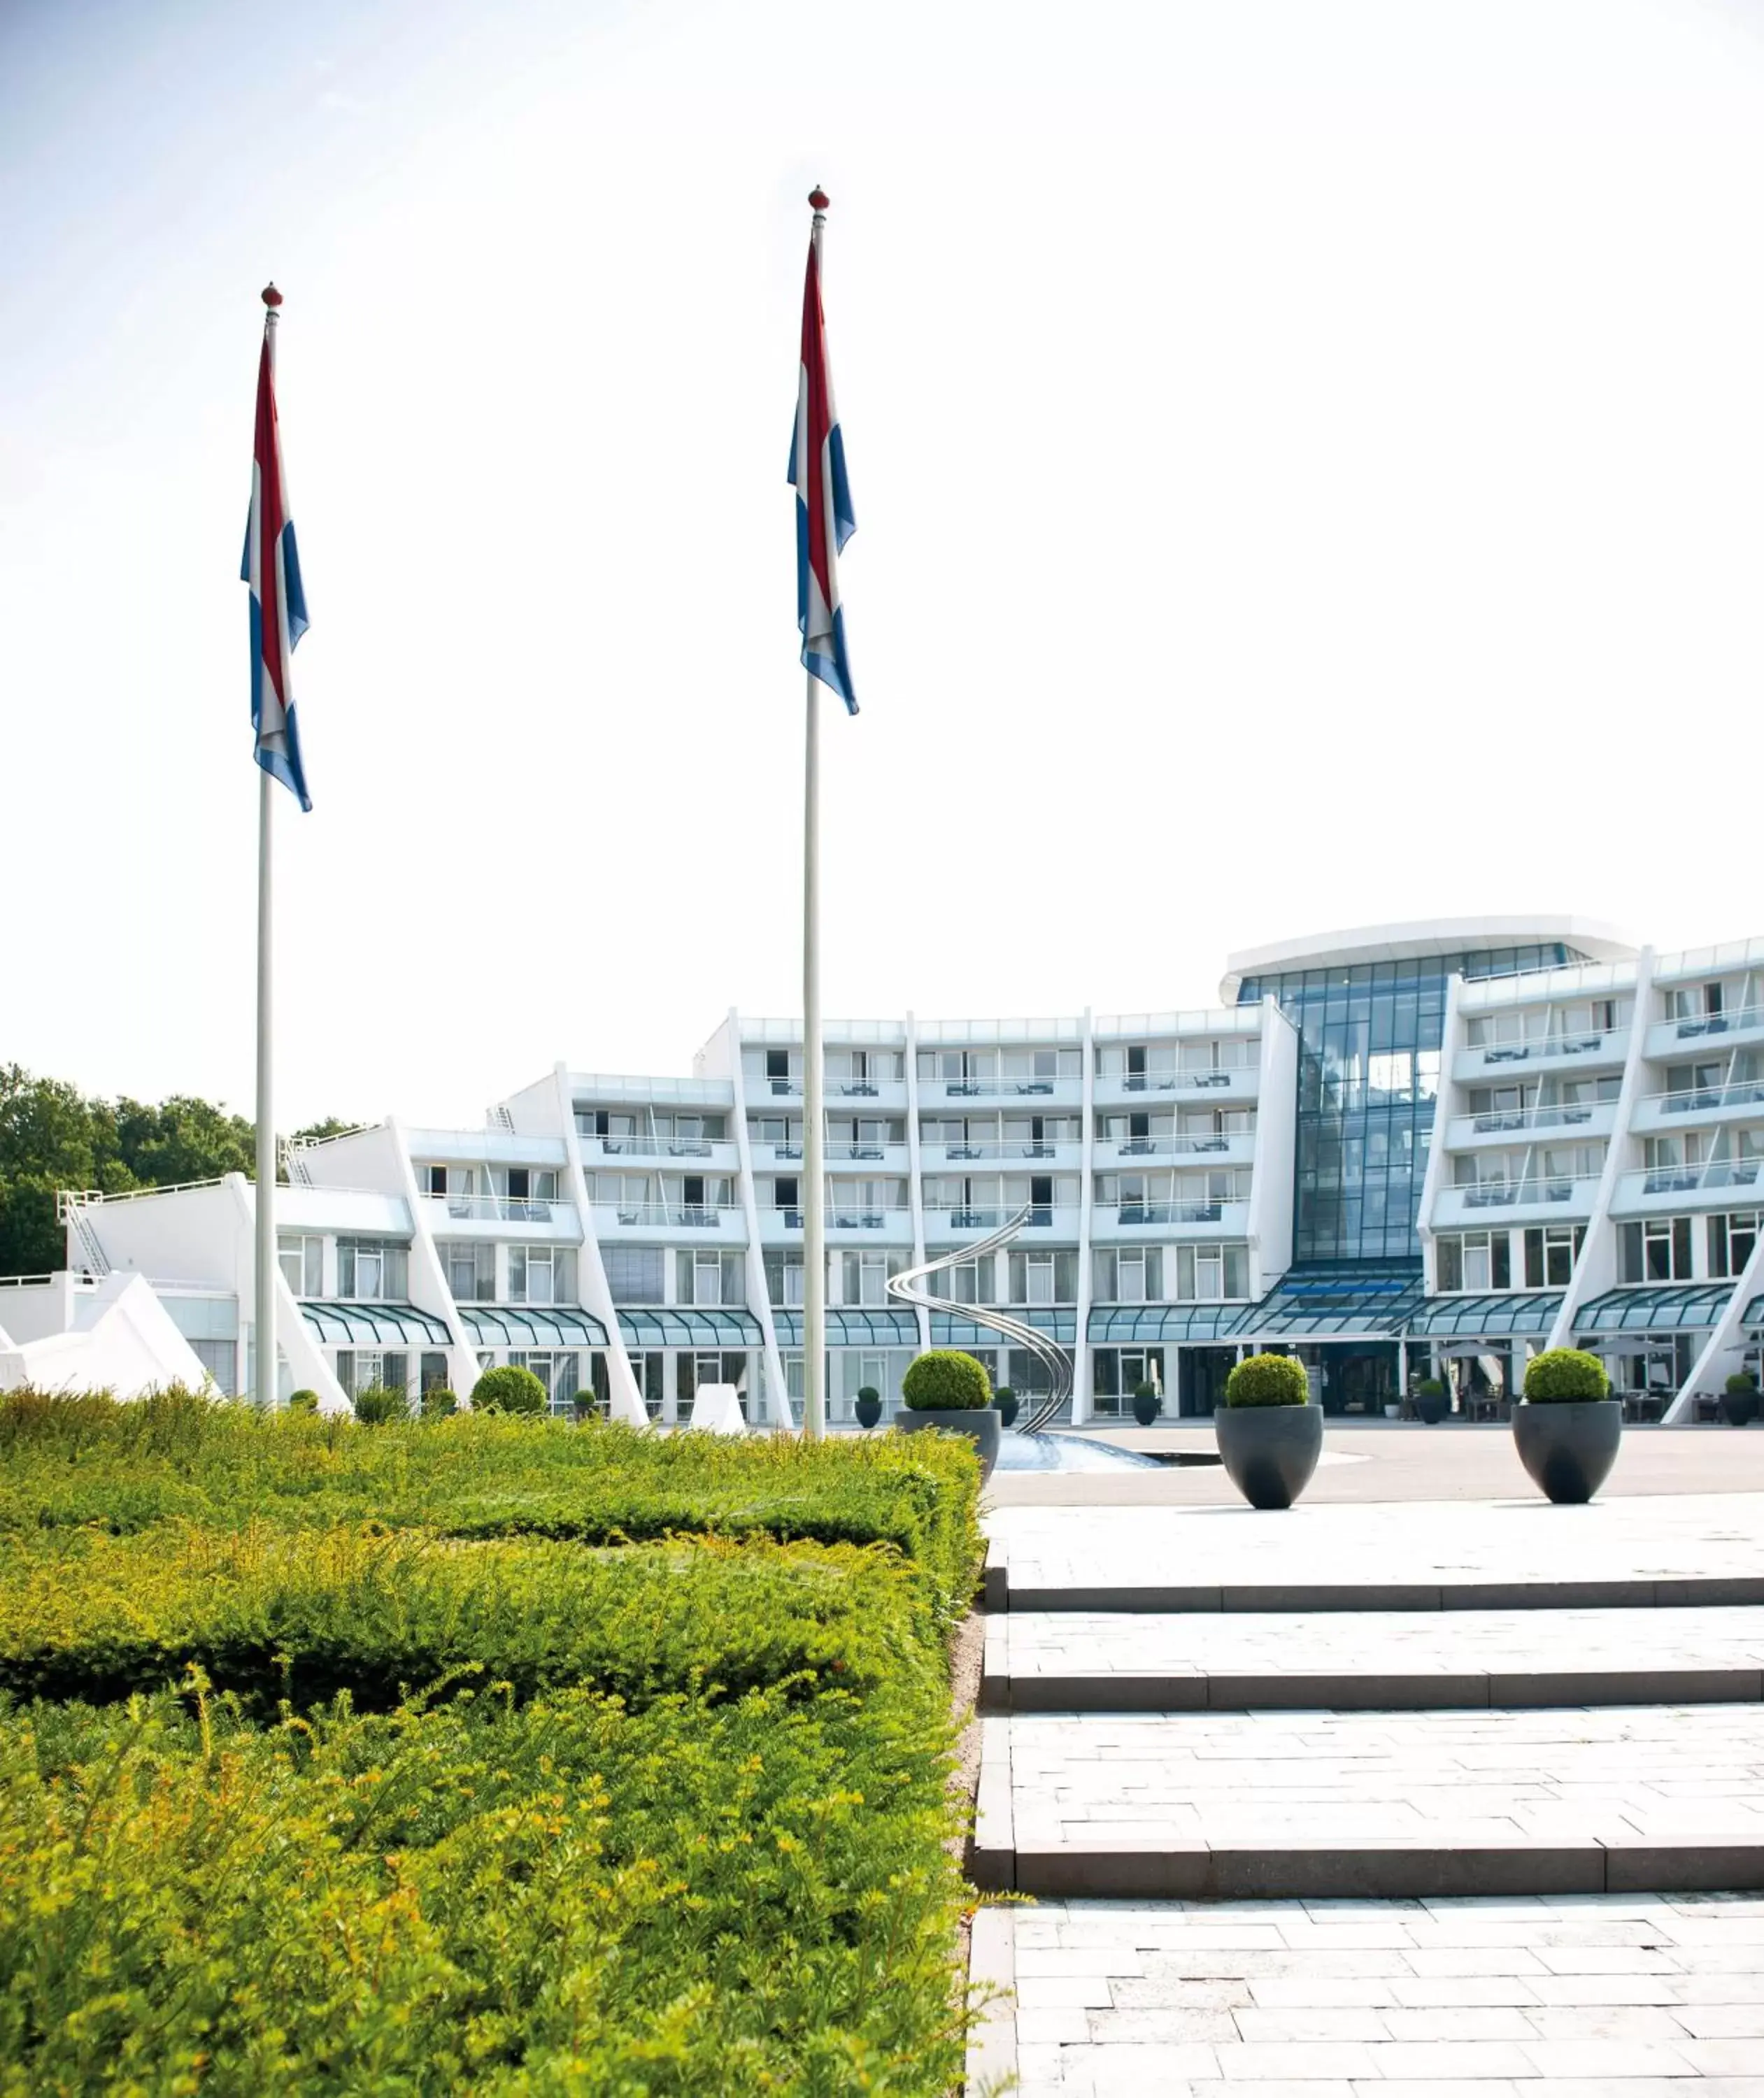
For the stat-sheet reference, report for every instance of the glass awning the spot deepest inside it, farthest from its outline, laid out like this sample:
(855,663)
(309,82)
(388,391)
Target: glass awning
(349,1323)
(1754,1313)
(852,1326)
(949,1331)
(1655,1307)
(690,1326)
(533,1326)
(1199,1323)
(1497,1316)
(1352,1300)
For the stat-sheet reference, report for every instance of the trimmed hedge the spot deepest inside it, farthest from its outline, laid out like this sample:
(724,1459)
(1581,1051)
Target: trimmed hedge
(1268,1380)
(72,1461)
(946,1380)
(567,1898)
(511,1388)
(1561,1376)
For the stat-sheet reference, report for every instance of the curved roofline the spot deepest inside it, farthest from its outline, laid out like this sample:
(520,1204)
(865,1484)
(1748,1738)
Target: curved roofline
(1419,938)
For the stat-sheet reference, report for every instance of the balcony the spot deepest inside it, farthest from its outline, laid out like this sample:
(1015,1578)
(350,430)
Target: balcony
(1592,1051)
(1237,1083)
(1238,1147)
(650,1221)
(1051,1220)
(1514,1201)
(1069,1154)
(1740,1099)
(1170,1220)
(717,1152)
(885,1226)
(1585,1117)
(1743,1028)
(464,1216)
(1062,1092)
(1715,1184)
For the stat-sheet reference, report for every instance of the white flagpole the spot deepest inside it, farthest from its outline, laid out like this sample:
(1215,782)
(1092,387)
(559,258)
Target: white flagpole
(267,1377)
(814,1117)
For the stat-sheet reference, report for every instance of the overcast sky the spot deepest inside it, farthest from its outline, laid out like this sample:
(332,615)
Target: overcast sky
(1309,463)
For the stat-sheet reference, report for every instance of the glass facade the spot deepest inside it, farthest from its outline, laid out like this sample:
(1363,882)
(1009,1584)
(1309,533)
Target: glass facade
(1370,1038)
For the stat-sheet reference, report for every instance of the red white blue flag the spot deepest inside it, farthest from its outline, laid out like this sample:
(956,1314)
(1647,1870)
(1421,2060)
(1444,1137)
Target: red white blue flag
(272,568)
(824,519)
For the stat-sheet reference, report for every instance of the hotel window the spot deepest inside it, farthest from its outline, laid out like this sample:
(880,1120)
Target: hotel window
(967,1284)
(864,1277)
(361,1369)
(302,1263)
(541,1274)
(1130,1275)
(1205,1274)
(635,1273)
(373,1271)
(1658,1250)
(1043,1278)
(560,1373)
(471,1271)
(787,1193)
(1732,1240)
(1475,1261)
(783,1278)
(710,1278)
(1550,1254)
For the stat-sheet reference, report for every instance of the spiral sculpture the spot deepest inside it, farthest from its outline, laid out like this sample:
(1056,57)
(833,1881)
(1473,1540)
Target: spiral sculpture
(1045,1348)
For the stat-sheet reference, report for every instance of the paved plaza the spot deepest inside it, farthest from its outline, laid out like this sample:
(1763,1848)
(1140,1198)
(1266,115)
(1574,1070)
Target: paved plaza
(1393,1794)
(1634,1997)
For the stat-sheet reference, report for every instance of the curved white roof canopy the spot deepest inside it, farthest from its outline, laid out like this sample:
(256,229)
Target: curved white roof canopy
(1423,936)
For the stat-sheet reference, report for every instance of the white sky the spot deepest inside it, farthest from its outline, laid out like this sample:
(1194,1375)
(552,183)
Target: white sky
(1309,463)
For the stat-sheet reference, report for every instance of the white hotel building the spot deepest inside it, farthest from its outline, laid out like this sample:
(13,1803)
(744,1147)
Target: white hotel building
(1426,1147)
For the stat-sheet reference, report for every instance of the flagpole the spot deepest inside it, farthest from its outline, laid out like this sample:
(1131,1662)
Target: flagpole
(814,1116)
(267,1380)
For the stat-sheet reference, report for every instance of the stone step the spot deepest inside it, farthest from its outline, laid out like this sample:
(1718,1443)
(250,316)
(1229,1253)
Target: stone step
(1215,1805)
(1628,1553)
(1070,1661)
(1641,1995)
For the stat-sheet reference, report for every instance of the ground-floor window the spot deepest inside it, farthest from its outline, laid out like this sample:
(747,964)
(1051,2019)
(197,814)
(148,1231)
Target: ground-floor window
(361,1369)
(1117,1373)
(710,1367)
(220,1359)
(559,1370)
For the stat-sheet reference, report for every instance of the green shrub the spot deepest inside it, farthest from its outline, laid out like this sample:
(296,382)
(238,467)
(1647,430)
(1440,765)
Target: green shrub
(1002,1394)
(377,1403)
(946,1380)
(512,1389)
(1430,1388)
(868,1391)
(439,1403)
(303,1401)
(1268,1380)
(1560,1375)
(1741,1383)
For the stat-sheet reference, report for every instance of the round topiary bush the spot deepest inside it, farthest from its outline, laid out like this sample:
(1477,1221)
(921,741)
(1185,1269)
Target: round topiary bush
(945,1380)
(512,1389)
(1563,1376)
(1268,1380)
(1005,1400)
(1741,1383)
(303,1401)
(378,1403)
(1430,1388)
(438,1403)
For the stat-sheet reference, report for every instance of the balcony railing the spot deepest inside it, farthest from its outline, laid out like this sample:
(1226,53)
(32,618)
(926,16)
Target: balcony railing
(1173,1146)
(506,1208)
(657,1146)
(987,1217)
(1555,1115)
(1548,1045)
(784,1088)
(1180,1082)
(1692,1179)
(1520,1194)
(1699,1099)
(980,1089)
(689,1216)
(999,1150)
(1693,1026)
(840,1216)
(1172,1212)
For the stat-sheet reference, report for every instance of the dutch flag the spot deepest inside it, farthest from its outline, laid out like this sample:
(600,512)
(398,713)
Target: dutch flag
(272,568)
(824,519)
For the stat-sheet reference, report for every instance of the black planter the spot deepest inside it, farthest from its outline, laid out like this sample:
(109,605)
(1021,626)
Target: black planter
(1146,1410)
(1007,1410)
(1569,1448)
(980,1423)
(1740,1407)
(868,1410)
(1432,1406)
(1271,1451)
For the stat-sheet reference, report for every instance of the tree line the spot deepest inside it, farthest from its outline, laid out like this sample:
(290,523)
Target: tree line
(52,1135)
